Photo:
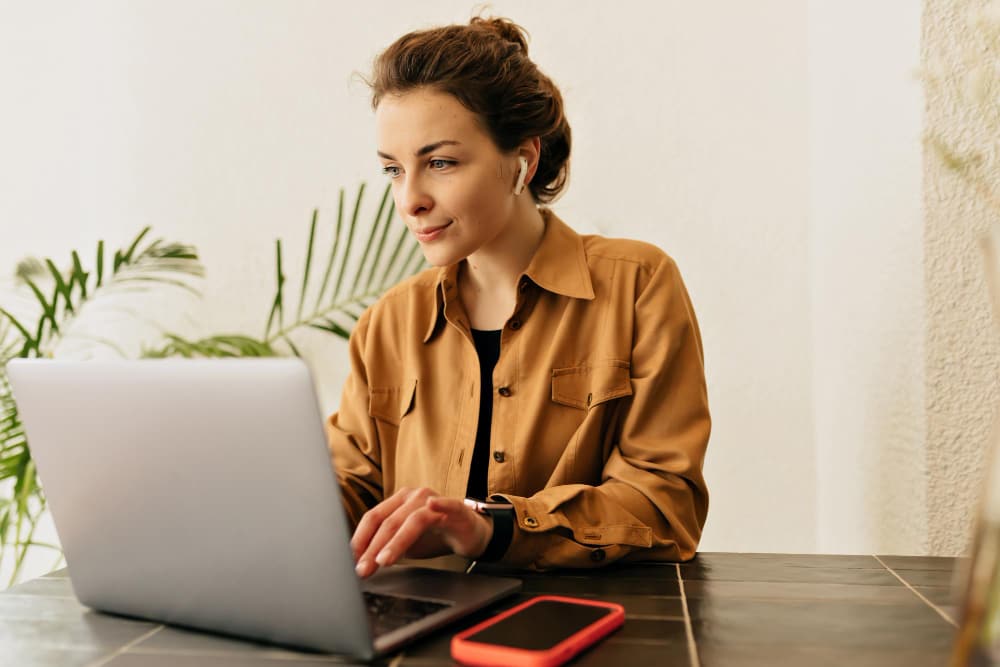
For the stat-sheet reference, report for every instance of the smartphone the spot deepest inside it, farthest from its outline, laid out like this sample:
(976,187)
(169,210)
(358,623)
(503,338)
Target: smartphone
(545,631)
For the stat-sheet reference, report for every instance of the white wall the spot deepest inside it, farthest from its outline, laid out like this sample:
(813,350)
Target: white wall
(720,132)
(866,249)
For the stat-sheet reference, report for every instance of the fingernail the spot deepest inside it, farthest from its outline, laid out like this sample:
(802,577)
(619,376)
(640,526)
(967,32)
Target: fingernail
(383,557)
(361,568)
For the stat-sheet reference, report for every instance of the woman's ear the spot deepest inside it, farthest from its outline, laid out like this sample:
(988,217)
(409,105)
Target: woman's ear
(530,151)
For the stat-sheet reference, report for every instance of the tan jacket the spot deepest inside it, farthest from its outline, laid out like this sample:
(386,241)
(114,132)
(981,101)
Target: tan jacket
(600,411)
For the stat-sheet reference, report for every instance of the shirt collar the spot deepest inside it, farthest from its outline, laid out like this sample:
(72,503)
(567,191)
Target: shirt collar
(559,265)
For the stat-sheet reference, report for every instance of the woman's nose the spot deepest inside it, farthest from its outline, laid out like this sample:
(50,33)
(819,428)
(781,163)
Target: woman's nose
(415,199)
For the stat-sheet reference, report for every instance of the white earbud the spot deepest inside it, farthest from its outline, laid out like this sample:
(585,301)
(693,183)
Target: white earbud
(521,175)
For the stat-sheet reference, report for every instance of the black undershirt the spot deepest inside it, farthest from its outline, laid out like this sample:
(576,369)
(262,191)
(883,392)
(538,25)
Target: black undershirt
(488,349)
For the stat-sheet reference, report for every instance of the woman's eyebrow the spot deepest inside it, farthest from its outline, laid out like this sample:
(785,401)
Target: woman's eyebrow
(426,149)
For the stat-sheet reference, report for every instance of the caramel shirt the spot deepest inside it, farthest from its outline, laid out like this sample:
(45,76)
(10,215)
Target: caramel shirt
(600,410)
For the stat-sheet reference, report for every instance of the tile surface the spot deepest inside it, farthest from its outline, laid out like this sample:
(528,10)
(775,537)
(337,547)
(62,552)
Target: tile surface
(731,609)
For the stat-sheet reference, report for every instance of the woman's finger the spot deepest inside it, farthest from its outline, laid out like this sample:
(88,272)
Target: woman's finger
(387,527)
(372,520)
(413,528)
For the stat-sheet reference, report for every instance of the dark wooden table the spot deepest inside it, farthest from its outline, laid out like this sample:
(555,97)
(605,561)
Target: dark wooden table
(720,609)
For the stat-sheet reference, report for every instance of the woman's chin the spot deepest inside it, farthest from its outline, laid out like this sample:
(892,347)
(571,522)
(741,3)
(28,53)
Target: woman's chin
(440,257)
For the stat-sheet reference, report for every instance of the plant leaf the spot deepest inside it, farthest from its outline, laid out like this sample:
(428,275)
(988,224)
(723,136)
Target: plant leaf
(61,288)
(371,240)
(381,243)
(276,307)
(79,276)
(309,256)
(333,251)
(214,346)
(100,262)
(345,256)
(400,242)
(332,327)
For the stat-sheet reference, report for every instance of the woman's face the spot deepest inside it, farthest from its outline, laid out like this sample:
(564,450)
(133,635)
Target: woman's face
(445,172)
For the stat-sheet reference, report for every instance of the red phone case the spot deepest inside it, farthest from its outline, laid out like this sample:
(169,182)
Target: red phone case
(478,654)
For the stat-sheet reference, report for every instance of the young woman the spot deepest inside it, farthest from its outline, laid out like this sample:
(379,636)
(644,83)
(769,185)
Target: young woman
(556,375)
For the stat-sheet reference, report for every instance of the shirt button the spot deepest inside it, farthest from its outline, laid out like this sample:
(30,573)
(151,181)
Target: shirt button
(531,522)
(515,324)
(504,391)
(597,555)
(498,457)
(590,398)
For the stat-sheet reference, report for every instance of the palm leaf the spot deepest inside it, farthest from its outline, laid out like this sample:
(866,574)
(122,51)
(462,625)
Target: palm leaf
(215,346)
(344,306)
(334,251)
(350,241)
(332,311)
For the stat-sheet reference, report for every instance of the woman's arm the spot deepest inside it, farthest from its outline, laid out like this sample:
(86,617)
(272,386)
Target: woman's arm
(352,436)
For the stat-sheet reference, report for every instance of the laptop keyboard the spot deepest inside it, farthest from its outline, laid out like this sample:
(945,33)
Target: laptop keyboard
(389,612)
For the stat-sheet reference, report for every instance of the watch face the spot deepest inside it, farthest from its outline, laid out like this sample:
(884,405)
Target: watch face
(485,507)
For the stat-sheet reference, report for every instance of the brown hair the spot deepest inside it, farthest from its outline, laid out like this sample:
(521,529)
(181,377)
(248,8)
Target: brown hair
(485,66)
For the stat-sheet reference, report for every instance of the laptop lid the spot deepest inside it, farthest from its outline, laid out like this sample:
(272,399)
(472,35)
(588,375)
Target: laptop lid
(201,493)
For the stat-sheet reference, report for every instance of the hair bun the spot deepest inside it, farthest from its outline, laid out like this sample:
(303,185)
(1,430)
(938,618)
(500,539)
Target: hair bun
(507,30)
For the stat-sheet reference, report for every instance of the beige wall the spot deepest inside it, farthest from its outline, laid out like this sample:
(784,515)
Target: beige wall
(770,147)
(866,264)
(963,355)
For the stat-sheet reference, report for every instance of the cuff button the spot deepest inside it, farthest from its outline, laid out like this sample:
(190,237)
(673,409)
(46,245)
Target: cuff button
(531,522)
(597,555)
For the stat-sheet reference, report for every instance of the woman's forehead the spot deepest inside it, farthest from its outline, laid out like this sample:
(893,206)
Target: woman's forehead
(419,118)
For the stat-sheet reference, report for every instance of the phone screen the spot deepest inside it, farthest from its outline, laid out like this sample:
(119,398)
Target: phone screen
(540,626)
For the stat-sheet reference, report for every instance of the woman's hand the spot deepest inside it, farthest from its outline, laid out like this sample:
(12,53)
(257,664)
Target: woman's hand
(417,523)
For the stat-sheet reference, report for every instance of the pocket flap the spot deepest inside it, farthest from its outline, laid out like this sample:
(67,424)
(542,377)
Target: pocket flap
(586,386)
(391,404)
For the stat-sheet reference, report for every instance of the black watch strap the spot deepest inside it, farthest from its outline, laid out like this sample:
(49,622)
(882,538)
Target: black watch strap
(503,533)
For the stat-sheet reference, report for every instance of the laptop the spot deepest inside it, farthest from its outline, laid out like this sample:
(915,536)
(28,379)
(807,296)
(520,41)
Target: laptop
(201,493)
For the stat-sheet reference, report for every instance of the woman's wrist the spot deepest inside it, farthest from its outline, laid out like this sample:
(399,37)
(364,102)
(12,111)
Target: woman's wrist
(484,543)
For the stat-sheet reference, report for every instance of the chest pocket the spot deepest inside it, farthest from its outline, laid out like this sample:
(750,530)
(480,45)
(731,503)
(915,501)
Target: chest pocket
(592,384)
(391,404)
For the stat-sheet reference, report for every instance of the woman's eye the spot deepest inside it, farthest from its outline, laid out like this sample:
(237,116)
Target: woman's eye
(441,164)
(391,172)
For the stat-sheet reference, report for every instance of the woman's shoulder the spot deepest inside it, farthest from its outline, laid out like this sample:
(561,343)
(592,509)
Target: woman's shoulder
(644,255)
(414,295)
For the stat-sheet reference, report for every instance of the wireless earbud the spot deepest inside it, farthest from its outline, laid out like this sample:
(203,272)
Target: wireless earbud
(521,175)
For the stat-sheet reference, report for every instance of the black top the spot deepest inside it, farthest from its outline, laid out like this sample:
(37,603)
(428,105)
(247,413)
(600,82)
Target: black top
(488,349)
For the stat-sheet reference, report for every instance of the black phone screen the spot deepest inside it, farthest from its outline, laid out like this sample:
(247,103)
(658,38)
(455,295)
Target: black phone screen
(540,626)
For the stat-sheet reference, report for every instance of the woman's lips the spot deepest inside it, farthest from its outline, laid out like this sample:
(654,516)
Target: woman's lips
(429,233)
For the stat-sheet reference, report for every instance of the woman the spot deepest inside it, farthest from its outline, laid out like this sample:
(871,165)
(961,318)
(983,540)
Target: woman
(559,376)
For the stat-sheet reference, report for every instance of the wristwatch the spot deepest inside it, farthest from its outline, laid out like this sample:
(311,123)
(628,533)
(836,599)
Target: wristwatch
(487,507)
(503,526)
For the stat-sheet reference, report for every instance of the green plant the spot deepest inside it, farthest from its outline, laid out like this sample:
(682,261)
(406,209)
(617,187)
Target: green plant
(339,300)
(59,298)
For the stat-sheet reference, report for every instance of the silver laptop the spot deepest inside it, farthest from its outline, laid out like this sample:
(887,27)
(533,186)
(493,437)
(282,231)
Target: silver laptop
(201,493)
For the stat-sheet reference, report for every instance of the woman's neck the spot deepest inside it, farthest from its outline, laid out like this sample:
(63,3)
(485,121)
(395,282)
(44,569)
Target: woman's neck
(487,279)
(496,267)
